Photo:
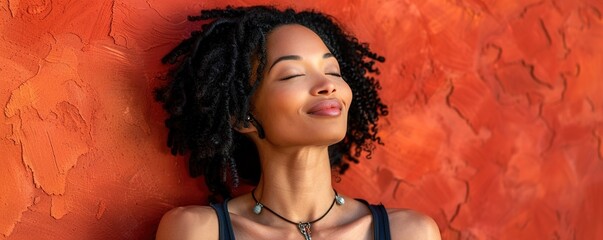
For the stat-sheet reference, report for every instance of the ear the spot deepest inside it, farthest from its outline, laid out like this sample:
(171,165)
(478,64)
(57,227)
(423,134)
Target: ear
(245,128)
(252,125)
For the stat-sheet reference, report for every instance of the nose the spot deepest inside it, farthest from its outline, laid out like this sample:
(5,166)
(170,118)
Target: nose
(323,86)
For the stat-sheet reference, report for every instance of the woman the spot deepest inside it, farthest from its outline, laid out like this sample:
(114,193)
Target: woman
(278,99)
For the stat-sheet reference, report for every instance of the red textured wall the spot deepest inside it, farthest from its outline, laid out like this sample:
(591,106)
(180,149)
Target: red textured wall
(495,126)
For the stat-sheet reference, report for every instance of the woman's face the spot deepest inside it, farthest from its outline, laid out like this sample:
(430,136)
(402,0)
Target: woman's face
(302,99)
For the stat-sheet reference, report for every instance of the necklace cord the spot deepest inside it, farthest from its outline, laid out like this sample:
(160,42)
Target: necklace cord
(292,222)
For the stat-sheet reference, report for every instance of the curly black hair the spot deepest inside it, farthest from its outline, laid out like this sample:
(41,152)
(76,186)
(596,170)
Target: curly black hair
(210,86)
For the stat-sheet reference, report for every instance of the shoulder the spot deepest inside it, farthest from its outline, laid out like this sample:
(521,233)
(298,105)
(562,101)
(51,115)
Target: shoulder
(409,224)
(190,222)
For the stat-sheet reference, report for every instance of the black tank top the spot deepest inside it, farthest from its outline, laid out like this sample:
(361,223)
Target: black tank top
(380,221)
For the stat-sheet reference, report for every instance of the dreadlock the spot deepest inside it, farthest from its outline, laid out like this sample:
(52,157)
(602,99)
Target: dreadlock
(210,86)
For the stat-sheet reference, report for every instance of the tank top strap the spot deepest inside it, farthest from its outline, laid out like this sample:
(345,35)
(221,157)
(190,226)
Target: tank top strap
(225,226)
(380,220)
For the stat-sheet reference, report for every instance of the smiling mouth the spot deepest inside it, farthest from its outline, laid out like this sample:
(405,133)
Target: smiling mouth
(330,107)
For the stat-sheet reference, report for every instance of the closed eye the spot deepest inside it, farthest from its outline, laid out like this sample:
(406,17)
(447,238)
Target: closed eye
(334,74)
(292,76)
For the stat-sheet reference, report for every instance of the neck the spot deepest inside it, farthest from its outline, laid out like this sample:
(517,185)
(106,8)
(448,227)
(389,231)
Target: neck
(296,183)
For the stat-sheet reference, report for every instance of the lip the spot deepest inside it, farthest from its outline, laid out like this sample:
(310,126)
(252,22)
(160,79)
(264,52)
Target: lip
(328,107)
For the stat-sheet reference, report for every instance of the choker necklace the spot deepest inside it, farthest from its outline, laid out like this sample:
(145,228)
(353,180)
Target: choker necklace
(304,227)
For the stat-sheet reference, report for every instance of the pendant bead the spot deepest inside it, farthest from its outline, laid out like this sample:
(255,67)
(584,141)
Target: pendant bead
(304,228)
(340,200)
(257,209)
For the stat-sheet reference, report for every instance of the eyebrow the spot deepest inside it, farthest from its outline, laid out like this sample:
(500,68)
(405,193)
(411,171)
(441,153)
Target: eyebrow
(296,57)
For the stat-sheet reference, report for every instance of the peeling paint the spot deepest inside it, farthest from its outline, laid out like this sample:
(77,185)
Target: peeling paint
(50,129)
(102,207)
(58,207)
(16,190)
(13,5)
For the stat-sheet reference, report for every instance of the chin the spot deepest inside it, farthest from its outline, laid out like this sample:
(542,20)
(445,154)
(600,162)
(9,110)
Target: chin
(317,135)
(333,138)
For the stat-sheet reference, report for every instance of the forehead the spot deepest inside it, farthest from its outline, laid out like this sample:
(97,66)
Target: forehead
(294,39)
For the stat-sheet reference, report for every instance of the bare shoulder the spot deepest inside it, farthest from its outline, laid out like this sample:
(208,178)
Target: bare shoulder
(190,222)
(409,224)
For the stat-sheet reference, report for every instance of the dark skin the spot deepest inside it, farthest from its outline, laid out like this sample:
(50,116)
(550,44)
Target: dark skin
(302,103)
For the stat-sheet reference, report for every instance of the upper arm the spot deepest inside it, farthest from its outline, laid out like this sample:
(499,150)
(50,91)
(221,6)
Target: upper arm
(183,223)
(408,224)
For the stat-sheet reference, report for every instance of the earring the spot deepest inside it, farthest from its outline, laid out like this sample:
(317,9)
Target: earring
(257,125)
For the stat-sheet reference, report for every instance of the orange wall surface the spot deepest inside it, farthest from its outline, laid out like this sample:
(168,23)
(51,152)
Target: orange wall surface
(495,127)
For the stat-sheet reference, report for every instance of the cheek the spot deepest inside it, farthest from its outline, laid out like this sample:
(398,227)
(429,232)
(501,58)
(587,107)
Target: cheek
(279,103)
(346,93)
